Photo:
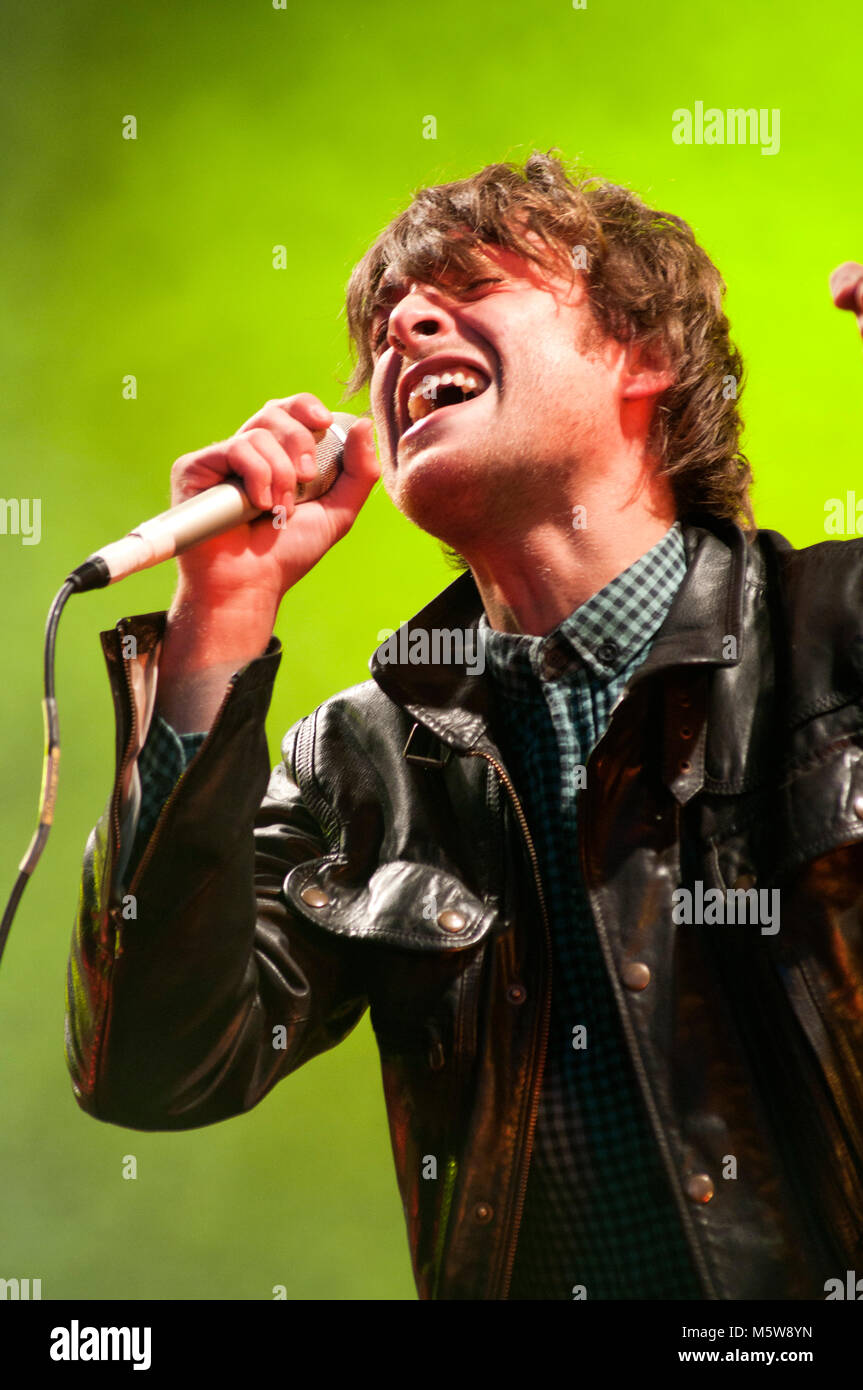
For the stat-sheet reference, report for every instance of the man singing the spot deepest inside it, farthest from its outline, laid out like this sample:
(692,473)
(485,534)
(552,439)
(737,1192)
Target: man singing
(601,889)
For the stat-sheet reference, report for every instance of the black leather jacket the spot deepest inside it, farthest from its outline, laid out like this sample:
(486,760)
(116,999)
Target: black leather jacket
(389,864)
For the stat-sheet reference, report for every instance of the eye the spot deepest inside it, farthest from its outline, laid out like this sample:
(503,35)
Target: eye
(476,284)
(379,337)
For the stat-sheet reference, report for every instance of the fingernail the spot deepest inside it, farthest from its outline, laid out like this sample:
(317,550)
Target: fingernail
(308,464)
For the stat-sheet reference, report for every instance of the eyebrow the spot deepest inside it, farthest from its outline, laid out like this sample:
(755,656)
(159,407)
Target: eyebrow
(390,288)
(386,296)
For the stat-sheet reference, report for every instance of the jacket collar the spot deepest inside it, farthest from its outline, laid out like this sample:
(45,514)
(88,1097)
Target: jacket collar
(454,702)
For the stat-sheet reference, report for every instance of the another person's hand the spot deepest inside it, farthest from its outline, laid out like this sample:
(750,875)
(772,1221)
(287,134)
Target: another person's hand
(846,286)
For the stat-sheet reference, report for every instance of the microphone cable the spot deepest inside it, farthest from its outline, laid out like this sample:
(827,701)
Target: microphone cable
(96,573)
(50,766)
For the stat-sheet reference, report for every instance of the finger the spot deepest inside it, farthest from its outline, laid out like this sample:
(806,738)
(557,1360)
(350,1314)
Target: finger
(360,470)
(360,455)
(846,286)
(283,475)
(193,473)
(254,470)
(305,408)
(298,441)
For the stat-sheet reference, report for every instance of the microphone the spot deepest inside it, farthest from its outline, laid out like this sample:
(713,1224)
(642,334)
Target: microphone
(200,518)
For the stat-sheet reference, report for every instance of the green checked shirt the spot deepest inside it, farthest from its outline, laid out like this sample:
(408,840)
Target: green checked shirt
(598,1210)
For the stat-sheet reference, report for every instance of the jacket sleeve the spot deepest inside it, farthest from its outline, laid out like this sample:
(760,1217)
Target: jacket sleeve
(193,987)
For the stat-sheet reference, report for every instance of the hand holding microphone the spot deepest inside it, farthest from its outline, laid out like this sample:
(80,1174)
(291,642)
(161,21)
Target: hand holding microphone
(233,580)
(237,559)
(292,451)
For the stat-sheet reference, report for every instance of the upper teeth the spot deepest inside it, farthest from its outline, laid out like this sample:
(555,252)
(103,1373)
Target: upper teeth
(423,396)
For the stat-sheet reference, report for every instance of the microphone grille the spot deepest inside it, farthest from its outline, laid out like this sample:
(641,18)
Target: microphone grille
(329,457)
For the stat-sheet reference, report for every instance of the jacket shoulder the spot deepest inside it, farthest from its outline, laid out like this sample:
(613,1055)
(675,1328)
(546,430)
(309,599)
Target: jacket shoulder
(360,720)
(833,564)
(815,598)
(821,582)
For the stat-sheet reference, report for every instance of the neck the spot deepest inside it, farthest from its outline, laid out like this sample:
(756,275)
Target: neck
(531,584)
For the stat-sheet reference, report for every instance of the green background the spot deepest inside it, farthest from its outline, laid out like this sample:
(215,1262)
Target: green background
(303,126)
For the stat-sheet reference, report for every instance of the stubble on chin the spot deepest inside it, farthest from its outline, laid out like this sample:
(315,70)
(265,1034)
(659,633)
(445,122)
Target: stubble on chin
(460,502)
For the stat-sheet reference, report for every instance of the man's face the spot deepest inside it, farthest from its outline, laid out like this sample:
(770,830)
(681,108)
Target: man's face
(535,405)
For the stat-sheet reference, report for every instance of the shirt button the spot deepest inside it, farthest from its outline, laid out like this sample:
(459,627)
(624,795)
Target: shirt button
(699,1187)
(636,975)
(608,651)
(315,896)
(483,1213)
(452,920)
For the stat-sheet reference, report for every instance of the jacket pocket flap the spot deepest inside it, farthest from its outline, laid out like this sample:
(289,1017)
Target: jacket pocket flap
(417,906)
(817,808)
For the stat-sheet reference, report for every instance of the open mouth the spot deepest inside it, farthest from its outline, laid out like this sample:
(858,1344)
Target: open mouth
(437,390)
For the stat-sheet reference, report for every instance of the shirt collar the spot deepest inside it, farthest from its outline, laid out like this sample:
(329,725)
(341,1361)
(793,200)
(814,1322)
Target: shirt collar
(604,634)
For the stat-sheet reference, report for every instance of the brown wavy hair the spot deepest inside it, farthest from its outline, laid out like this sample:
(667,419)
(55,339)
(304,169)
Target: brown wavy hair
(649,283)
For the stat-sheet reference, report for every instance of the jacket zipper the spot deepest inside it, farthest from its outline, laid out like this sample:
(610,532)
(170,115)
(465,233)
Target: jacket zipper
(157,828)
(527,1148)
(124,763)
(108,905)
(113,908)
(629,1031)
(115,810)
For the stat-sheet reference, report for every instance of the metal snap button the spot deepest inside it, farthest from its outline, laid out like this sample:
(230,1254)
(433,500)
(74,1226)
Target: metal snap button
(452,920)
(636,975)
(315,896)
(483,1212)
(516,994)
(699,1187)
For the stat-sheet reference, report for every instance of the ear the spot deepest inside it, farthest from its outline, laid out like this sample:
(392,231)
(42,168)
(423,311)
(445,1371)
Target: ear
(646,371)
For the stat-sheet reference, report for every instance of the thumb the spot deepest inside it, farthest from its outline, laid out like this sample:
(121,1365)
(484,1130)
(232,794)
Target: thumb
(360,470)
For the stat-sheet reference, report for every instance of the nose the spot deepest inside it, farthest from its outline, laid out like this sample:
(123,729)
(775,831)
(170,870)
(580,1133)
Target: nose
(419,314)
